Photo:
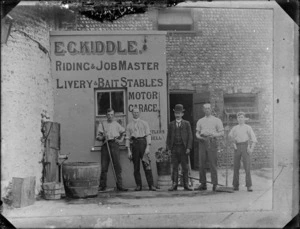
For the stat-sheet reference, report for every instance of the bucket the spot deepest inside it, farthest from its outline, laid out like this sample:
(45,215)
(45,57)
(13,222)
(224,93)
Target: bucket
(163,168)
(81,179)
(52,191)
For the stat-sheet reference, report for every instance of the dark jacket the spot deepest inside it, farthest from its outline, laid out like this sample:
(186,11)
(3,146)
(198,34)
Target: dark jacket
(186,134)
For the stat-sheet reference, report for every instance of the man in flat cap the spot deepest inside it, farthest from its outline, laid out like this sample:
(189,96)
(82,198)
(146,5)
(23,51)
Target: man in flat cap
(208,129)
(179,141)
(138,141)
(244,141)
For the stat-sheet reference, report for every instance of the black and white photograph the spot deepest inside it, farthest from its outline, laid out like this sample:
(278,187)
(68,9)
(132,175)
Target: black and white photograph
(149,114)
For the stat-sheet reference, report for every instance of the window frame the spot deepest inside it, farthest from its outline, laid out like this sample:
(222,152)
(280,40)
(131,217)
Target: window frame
(256,113)
(110,90)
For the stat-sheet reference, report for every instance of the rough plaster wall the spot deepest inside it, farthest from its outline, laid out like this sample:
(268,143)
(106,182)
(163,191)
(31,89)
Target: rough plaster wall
(26,89)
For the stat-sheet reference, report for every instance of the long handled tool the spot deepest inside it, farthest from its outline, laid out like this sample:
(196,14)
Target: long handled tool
(190,171)
(109,153)
(194,178)
(226,188)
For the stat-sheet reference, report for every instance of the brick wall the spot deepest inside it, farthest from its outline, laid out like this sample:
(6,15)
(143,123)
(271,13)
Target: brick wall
(27,92)
(230,51)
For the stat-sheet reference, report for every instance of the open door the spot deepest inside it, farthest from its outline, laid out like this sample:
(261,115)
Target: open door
(199,99)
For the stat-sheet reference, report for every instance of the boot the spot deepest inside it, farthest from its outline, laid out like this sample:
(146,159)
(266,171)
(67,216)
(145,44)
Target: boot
(173,188)
(152,188)
(149,179)
(186,182)
(202,187)
(214,187)
(121,189)
(235,188)
(138,188)
(101,189)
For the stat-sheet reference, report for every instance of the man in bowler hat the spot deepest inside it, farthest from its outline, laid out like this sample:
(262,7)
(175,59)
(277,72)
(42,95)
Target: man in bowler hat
(179,141)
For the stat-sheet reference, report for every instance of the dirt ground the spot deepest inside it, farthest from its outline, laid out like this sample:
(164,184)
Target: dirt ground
(152,209)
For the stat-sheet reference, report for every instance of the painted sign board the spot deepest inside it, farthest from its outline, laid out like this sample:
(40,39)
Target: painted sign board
(93,71)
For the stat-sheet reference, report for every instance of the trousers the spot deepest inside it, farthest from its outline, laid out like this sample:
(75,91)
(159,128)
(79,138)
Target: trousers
(105,160)
(138,149)
(179,156)
(208,149)
(241,153)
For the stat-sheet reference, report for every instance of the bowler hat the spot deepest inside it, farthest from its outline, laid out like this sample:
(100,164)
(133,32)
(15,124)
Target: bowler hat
(178,108)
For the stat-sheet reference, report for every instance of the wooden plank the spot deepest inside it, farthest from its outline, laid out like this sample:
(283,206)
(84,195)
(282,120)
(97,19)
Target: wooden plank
(52,147)
(51,167)
(52,131)
(23,191)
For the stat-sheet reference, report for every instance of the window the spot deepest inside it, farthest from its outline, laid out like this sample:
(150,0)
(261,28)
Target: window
(110,99)
(115,99)
(247,103)
(175,20)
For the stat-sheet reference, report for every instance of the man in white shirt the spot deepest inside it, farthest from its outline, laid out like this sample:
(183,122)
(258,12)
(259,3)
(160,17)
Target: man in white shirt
(244,141)
(208,129)
(112,132)
(138,141)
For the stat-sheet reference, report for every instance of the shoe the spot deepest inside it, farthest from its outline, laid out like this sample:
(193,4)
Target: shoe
(138,188)
(122,189)
(152,188)
(235,188)
(202,187)
(214,187)
(249,189)
(186,188)
(101,189)
(173,188)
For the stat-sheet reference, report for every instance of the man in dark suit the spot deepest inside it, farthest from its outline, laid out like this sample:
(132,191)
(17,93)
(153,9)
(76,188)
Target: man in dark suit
(179,141)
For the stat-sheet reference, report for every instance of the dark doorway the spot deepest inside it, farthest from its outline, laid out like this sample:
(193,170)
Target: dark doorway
(186,99)
(193,105)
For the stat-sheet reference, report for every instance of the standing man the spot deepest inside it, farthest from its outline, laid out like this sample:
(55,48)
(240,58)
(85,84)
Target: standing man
(208,129)
(179,141)
(138,133)
(244,141)
(112,132)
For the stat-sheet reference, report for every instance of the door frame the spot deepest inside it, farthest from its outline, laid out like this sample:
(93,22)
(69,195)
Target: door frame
(177,91)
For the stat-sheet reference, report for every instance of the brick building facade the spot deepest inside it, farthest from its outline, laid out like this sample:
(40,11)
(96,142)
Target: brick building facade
(227,54)
(226,57)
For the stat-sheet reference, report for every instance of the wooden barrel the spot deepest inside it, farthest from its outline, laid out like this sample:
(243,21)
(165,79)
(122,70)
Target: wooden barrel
(164,182)
(81,179)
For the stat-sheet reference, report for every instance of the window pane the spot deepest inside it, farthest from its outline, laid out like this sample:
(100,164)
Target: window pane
(117,101)
(103,102)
